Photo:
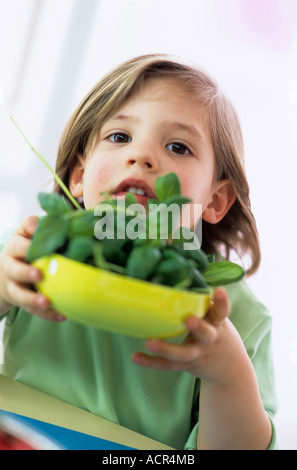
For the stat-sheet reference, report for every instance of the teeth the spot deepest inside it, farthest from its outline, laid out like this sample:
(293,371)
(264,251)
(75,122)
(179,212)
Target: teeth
(135,190)
(140,191)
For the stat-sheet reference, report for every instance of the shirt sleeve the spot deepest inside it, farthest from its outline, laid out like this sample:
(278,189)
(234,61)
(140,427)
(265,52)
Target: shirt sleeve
(259,348)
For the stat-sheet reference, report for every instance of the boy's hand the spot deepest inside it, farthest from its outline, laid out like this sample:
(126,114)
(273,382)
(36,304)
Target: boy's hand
(207,349)
(17,276)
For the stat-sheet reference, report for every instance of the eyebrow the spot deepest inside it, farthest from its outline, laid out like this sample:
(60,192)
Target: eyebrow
(174,125)
(189,128)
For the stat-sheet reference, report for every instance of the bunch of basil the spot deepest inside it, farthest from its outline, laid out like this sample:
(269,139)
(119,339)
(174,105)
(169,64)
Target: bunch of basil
(71,233)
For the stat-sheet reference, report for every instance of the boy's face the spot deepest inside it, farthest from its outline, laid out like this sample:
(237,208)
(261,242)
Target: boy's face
(158,131)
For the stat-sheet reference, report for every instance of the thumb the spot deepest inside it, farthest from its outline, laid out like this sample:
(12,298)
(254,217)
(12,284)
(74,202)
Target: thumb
(28,226)
(220,307)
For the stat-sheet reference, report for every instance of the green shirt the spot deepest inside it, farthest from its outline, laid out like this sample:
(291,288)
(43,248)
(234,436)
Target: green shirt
(92,369)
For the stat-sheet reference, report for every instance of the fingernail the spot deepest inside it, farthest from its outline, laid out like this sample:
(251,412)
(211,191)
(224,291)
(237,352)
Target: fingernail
(59,318)
(137,358)
(42,302)
(220,293)
(34,274)
(193,322)
(32,227)
(153,345)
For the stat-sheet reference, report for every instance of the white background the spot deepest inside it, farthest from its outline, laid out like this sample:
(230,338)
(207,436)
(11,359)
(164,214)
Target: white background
(53,51)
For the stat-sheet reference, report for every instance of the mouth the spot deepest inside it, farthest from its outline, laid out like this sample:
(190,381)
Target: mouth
(140,188)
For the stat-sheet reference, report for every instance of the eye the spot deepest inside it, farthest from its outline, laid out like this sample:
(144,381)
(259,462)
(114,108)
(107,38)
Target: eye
(119,138)
(178,148)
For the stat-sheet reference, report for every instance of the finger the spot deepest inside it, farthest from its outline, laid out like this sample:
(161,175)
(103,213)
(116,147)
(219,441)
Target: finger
(186,352)
(220,307)
(28,226)
(155,362)
(18,246)
(26,298)
(22,272)
(33,302)
(48,314)
(203,331)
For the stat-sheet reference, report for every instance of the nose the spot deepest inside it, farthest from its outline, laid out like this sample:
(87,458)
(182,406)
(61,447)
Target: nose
(143,155)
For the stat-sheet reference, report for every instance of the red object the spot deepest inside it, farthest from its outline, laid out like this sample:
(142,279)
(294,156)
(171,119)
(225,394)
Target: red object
(10,442)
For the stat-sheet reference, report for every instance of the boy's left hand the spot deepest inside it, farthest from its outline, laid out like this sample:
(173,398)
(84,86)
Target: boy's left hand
(207,349)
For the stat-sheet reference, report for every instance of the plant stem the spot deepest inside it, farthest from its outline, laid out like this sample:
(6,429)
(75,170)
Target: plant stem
(59,181)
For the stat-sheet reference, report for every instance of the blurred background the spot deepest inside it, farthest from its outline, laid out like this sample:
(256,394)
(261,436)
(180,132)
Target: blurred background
(53,51)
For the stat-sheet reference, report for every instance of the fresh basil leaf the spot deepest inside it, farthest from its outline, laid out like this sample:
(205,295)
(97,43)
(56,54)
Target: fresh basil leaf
(113,250)
(200,290)
(50,235)
(197,255)
(167,186)
(142,261)
(174,271)
(53,203)
(198,279)
(178,263)
(130,198)
(178,200)
(223,272)
(80,249)
(83,224)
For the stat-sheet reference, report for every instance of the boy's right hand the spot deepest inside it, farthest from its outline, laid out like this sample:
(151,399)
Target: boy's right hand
(17,276)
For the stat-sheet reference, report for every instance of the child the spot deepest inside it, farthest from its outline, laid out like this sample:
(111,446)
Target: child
(212,388)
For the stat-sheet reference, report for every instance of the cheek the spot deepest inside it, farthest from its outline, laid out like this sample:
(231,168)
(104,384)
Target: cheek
(97,179)
(101,174)
(99,171)
(197,189)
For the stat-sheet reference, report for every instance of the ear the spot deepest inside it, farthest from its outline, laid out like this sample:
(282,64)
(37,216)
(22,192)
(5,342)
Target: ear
(76,177)
(223,198)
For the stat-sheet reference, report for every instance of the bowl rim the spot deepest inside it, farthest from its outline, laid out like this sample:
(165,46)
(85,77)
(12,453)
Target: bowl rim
(115,276)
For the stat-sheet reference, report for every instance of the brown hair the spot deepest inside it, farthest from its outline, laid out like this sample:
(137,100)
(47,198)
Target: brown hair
(237,231)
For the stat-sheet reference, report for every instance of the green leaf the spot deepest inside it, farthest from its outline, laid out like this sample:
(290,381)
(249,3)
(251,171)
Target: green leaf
(197,255)
(80,249)
(167,186)
(198,279)
(200,290)
(174,269)
(53,203)
(74,234)
(185,239)
(220,273)
(142,261)
(130,198)
(178,200)
(83,224)
(113,250)
(50,235)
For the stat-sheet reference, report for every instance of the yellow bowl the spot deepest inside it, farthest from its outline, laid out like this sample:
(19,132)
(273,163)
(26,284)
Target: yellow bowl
(114,302)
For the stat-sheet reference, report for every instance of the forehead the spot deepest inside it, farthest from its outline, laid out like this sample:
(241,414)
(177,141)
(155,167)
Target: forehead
(169,97)
(169,101)
(160,89)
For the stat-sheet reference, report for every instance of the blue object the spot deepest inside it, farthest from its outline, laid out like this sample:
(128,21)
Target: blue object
(62,438)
